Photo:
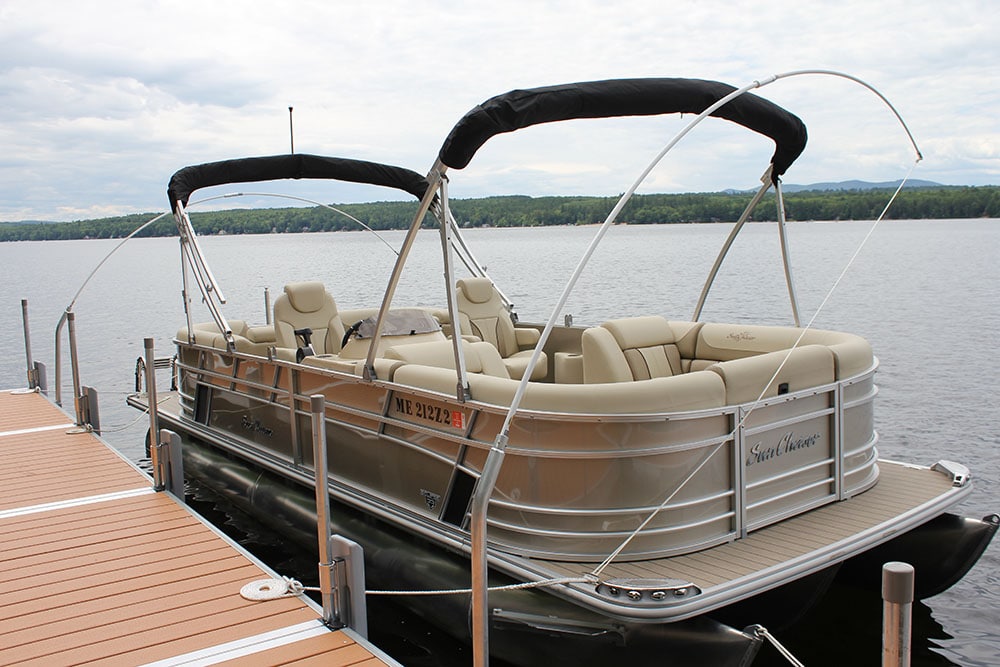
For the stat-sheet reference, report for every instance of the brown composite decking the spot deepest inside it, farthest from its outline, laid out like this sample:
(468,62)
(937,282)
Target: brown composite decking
(97,569)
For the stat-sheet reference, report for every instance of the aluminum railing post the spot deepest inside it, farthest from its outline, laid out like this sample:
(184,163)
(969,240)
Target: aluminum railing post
(897,613)
(74,364)
(326,566)
(58,353)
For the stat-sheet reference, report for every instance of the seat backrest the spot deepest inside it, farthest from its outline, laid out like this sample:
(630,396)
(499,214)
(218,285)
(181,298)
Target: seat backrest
(633,348)
(482,313)
(308,305)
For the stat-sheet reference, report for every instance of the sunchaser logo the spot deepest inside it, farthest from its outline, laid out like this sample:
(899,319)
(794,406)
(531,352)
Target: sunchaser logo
(760,452)
(255,426)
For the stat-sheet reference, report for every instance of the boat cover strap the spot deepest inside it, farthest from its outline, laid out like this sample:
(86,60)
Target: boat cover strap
(294,165)
(622,97)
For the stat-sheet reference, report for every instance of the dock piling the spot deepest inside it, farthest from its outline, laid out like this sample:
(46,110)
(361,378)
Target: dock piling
(31,366)
(897,613)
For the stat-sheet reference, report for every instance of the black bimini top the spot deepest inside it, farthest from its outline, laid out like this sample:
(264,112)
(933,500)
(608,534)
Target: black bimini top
(297,165)
(622,97)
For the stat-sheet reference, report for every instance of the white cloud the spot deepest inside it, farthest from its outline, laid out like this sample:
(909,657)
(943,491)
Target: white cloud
(101,102)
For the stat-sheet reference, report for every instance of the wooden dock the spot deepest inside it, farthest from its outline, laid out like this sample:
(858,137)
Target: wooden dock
(97,568)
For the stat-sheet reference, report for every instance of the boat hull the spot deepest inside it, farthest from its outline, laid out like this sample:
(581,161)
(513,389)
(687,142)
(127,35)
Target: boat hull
(524,622)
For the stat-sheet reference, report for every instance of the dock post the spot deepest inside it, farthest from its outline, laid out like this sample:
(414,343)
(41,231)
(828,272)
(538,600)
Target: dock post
(897,613)
(173,459)
(154,441)
(89,409)
(32,368)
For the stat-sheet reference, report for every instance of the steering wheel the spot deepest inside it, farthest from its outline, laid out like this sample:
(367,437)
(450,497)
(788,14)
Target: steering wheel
(351,330)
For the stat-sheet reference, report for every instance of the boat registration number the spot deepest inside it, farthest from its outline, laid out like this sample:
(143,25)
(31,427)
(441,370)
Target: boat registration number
(438,414)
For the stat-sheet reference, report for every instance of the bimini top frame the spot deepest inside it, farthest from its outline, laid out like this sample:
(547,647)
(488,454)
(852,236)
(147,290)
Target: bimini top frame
(598,99)
(519,109)
(245,170)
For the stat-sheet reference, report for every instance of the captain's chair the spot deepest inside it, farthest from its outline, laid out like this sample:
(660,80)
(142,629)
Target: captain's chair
(482,313)
(307,305)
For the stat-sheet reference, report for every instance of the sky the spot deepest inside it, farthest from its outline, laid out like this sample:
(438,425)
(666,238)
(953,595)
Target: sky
(102,101)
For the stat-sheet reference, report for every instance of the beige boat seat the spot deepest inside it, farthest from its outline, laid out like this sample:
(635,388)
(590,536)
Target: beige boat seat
(482,313)
(627,349)
(480,357)
(308,305)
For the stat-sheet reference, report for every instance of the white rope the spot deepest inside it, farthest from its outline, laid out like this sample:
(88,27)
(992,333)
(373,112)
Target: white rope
(142,414)
(509,587)
(761,631)
(274,589)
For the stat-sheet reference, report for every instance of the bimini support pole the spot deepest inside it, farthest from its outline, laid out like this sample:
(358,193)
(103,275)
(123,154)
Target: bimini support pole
(766,180)
(192,255)
(785,257)
(434,181)
(447,250)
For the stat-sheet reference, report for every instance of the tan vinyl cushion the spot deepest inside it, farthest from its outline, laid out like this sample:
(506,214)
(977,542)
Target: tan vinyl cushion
(750,378)
(480,357)
(308,304)
(724,342)
(649,345)
(603,360)
(634,348)
(208,334)
(692,391)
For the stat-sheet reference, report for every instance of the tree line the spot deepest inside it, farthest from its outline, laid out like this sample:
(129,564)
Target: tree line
(524,211)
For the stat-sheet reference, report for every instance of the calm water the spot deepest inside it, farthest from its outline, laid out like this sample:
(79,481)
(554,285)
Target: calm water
(923,292)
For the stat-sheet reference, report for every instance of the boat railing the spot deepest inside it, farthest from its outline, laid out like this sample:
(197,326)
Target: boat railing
(246,389)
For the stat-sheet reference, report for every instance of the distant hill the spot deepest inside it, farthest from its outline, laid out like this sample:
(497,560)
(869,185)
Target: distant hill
(861,185)
(847,200)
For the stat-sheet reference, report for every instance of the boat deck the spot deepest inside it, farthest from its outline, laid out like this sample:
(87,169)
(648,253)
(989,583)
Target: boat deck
(98,568)
(795,546)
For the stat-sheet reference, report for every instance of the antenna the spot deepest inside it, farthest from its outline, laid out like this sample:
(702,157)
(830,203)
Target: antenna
(291,130)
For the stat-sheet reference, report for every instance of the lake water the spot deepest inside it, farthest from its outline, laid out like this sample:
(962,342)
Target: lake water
(924,293)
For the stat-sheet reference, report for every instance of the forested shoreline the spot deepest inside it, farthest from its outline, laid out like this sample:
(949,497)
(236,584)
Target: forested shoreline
(521,211)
